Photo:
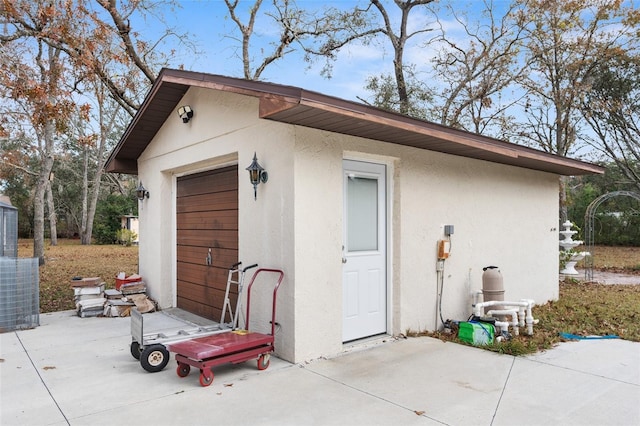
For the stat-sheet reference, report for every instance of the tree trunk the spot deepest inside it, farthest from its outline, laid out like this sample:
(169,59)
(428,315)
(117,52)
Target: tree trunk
(562,197)
(92,204)
(38,220)
(95,192)
(53,221)
(85,234)
(38,202)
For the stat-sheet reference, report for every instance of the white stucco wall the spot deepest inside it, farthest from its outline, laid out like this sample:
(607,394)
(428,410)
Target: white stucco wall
(502,215)
(224,130)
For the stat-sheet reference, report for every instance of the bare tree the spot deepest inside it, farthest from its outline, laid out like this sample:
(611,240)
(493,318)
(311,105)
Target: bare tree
(476,69)
(565,43)
(94,153)
(612,110)
(37,92)
(309,32)
(398,39)
(321,34)
(402,91)
(76,44)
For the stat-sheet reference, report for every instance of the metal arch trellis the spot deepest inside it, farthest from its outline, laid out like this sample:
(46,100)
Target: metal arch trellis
(589,218)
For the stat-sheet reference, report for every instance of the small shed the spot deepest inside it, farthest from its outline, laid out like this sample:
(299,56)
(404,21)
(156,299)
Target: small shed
(8,228)
(19,277)
(131,223)
(355,207)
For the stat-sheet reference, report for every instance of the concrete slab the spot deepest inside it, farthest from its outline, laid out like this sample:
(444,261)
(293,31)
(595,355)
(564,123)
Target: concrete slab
(78,371)
(23,399)
(543,394)
(588,382)
(289,396)
(605,277)
(447,382)
(614,359)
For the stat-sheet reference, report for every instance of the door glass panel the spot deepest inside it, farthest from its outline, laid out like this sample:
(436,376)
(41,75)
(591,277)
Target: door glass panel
(362,214)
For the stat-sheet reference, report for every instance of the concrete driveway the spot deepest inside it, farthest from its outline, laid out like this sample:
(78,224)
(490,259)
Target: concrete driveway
(79,371)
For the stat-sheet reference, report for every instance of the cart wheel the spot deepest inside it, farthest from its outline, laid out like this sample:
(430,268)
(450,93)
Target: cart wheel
(154,358)
(206,377)
(183,370)
(263,361)
(135,349)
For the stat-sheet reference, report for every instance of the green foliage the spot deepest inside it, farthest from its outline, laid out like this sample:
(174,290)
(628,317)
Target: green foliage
(384,91)
(107,220)
(126,237)
(16,184)
(67,192)
(612,109)
(15,187)
(617,220)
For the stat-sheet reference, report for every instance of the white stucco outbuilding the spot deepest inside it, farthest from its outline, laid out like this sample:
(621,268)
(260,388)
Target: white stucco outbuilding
(354,206)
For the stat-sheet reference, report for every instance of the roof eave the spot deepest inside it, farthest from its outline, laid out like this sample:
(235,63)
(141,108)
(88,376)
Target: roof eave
(292,105)
(290,110)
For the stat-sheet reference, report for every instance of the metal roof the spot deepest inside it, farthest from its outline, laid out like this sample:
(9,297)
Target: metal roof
(293,105)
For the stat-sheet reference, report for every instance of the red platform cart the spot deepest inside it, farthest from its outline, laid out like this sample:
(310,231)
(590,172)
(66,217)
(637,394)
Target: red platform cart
(233,347)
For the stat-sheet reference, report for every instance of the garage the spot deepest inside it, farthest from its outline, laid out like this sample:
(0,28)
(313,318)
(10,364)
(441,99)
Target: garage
(207,239)
(356,203)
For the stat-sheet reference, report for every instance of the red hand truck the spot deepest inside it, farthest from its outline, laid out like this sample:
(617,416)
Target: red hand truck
(233,347)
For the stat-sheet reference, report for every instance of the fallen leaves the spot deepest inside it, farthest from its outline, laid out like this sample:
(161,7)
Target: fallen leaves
(69,259)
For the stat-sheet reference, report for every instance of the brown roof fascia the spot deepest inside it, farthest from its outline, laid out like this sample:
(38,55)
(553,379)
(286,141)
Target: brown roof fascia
(187,79)
(498,150)
(423,128)
(117,165)
(282,103)
(113,164)
(230,84)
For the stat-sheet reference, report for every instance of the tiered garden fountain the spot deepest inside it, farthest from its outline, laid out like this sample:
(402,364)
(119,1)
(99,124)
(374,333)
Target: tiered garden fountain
(567,254)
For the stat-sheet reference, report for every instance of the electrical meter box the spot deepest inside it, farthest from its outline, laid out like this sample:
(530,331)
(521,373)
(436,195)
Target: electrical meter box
(476,333)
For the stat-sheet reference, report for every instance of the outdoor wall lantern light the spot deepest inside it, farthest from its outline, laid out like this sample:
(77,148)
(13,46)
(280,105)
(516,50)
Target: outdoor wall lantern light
(141,192)
(185,112)
(256,175)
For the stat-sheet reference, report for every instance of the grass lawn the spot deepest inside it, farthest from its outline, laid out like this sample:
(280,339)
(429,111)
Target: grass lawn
(583,309)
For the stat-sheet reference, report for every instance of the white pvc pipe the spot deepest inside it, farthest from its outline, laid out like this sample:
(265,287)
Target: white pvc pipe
(525,304)
(503,325)
(507,312)
(530,321)
(476,297)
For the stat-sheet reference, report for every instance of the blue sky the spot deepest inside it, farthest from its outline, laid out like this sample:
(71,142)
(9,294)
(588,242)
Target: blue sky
(213,33)
(216,37)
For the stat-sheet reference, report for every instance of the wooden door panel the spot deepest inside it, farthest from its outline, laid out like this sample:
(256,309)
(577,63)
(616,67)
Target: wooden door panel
(207,219)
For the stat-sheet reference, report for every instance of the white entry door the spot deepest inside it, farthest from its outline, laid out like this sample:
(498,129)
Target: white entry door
(364,250)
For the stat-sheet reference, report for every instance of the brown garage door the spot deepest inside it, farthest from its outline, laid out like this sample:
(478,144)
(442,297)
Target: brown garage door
(207,219)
